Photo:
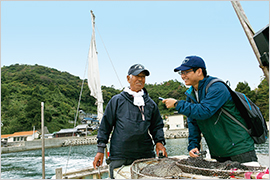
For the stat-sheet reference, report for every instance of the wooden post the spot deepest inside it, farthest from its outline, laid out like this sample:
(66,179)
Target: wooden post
(43,140)
(249,33)
(58,173)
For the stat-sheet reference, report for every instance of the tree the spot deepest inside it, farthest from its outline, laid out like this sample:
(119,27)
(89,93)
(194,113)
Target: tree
(262,100)
(21,98)
(33,113)
(244,88)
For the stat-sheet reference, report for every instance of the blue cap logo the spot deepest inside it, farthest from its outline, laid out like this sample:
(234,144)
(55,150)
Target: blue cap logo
(185,60)
(191,62)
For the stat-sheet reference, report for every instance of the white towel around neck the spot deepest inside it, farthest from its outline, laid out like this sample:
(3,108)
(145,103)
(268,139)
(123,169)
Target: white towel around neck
(138,96)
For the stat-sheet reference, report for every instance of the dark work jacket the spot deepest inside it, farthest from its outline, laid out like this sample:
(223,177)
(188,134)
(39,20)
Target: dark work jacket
(130,138)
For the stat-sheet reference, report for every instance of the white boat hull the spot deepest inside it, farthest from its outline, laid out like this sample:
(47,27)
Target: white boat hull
(125,171)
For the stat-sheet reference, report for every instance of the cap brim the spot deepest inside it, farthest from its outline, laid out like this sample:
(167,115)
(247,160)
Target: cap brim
(135,73)
(182,68)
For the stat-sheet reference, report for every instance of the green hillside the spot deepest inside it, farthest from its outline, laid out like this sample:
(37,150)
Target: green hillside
(24,87)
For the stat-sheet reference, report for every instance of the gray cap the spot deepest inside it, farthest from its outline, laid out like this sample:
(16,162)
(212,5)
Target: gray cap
(137,69)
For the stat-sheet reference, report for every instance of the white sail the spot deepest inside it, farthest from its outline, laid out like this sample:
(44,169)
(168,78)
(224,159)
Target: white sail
(93,73)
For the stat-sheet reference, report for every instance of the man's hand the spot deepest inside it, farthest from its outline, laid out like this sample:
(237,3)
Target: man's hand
(169,102)
(98,160)
(193,151)
(160,147)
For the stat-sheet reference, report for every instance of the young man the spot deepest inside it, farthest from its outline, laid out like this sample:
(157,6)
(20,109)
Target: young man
(226,140)
(132,115)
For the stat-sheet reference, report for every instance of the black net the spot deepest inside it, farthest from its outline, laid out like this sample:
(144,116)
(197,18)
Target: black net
(173,168)
(211,168)
(153,168)
(162,168)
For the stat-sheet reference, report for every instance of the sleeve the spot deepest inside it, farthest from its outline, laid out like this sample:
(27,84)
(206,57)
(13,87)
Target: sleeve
(194,137)
(216,97)
(156,127)
(106,125)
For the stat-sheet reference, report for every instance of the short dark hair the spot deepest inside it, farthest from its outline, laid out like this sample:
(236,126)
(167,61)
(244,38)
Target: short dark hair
(203,71)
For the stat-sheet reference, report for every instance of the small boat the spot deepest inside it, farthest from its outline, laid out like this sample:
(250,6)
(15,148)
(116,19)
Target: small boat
(85,173)
(134,171)
(175,169)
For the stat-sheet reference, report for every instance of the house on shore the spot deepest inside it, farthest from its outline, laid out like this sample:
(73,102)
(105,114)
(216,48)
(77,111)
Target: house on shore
(176,122)
(90,121)
(80,130)
(66,133)
(20,136)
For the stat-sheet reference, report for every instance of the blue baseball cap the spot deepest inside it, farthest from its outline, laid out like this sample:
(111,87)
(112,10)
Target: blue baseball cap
(191,62)
(137,69)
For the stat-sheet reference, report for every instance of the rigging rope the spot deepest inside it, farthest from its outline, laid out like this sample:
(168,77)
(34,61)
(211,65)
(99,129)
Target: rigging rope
(76,115)
(110,58)
(81,96)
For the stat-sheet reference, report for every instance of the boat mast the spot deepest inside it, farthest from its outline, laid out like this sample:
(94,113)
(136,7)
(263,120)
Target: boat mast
(93,72)
(250,34)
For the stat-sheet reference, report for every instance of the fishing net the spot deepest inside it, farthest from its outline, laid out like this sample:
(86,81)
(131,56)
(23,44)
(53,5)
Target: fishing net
(211,168)
(153,168)
(173,168)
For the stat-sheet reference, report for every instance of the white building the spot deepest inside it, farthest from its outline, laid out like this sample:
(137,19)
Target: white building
(20,136)
(176,122)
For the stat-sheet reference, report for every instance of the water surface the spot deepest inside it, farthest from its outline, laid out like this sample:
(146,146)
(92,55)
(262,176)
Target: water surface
(28,164)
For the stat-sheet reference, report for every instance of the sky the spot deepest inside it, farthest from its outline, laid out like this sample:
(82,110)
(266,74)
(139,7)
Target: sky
(157,34)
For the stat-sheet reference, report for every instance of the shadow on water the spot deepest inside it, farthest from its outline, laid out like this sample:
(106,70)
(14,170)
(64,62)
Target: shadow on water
(28,164)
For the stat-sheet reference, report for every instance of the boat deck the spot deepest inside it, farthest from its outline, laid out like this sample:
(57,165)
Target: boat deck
(124,172)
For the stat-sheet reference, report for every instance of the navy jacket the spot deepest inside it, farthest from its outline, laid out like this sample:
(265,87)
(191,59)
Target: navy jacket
(130,137)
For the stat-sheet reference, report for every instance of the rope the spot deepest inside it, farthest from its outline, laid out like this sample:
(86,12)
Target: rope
(76,114)
(81,96)
(109,58)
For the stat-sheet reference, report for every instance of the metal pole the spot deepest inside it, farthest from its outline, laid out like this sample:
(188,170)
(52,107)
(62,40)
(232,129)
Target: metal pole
(249,33)
(43,140)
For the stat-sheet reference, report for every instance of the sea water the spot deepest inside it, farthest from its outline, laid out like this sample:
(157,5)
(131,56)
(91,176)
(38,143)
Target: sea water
(28,164)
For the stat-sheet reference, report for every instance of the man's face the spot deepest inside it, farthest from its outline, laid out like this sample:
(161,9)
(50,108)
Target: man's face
(189,77)
(136,82)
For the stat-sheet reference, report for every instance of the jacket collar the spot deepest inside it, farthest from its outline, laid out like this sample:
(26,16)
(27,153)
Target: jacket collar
(130,97)
(201,87)
(202,83)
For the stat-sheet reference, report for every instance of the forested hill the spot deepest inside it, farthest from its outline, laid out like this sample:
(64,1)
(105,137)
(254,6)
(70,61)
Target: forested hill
(24,87)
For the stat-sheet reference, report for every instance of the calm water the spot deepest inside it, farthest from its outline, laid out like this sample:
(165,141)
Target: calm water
(28,164)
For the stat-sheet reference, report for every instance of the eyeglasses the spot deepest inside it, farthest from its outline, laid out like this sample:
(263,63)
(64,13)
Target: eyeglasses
(184,72)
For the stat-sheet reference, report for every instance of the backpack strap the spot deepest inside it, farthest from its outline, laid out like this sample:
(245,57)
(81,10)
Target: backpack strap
(211,82)
(238,122)
(222,109)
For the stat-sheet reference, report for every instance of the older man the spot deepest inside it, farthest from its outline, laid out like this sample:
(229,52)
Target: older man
(132,115)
